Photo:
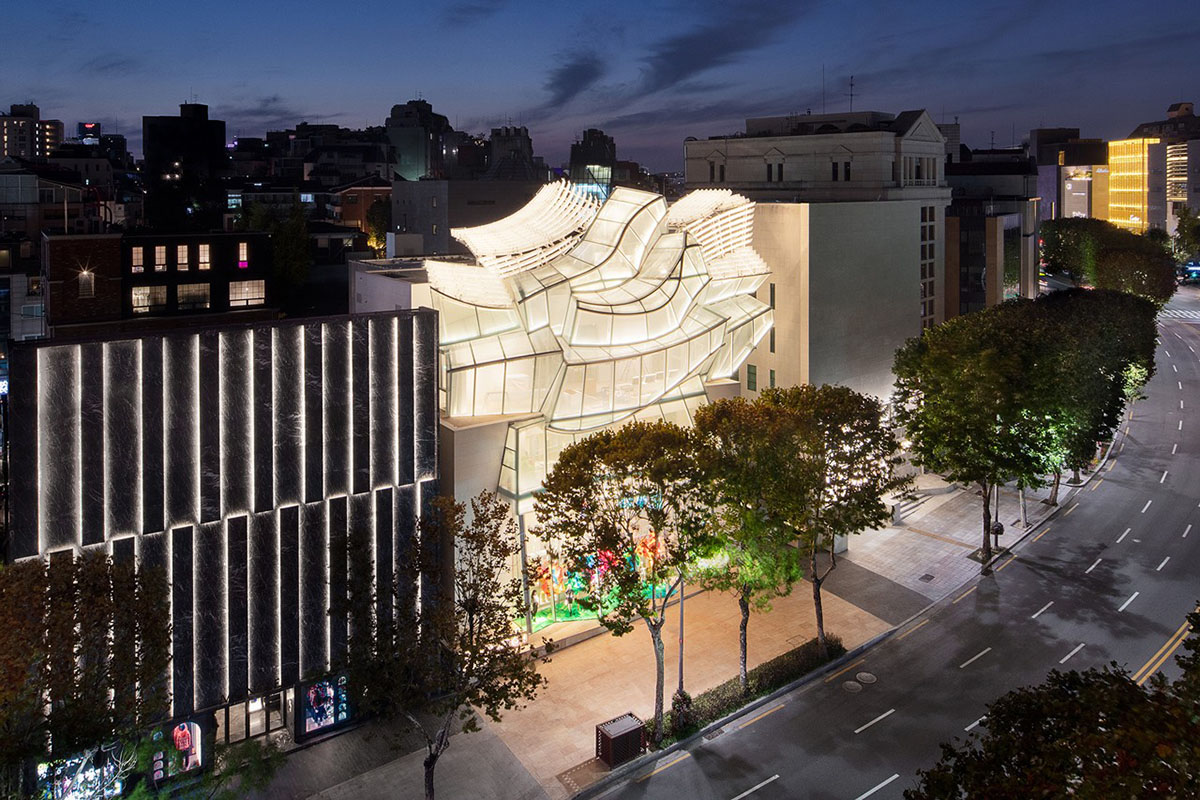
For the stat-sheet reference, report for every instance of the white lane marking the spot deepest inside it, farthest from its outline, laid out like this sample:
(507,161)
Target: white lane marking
(1174,448)
(754,789)
(1180,385)
(1181,408)
(1181,421)
(870,792)
(1174,367)
(1067,657)
(1092,567)
(1163,564)
(1121,538)
(975,657)
(1125,605)
(1191,348)
(1164,477)
(970,727)
(1043,608)
(1187,530)
(1148,502)
(884,715)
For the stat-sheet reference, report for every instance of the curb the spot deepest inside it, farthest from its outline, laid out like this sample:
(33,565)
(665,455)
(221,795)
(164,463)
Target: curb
(625,771)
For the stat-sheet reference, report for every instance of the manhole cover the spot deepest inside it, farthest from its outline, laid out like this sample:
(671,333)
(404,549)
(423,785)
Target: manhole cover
(710,736)
(853,687)
(926,578)
(865,677)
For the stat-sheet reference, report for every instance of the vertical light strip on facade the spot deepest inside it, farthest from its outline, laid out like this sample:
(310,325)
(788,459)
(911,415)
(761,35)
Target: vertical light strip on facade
(251,401)
(139,500)
(78,352)
(41,455)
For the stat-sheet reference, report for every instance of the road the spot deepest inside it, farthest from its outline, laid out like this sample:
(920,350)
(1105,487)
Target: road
(1110,578)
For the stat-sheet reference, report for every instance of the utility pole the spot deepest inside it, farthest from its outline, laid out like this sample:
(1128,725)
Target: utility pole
(851,94)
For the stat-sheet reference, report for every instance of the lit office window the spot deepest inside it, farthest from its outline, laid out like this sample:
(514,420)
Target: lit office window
(752,377)
(247,293)
(243,255)
(193,295)
(203,259)
(160,258)
(148,298)
(137,259)
(181,258)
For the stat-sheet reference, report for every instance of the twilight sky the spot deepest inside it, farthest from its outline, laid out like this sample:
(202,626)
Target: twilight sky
(648,72)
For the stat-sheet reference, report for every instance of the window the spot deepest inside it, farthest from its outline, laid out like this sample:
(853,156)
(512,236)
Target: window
(203,260)
(148,298)
(931,246)
(772,291)
(712,171)
(923,217)
(34,289)
(136,263)
(772,377)
(772,335)
(770,173)
(834,165)
(160,258)
(247,293)
(924,233)
(243,255)
(779,171)
(87,284)
(192,295)
(38,310)
(181,258)
(722,173)
(845,170)
(752,377)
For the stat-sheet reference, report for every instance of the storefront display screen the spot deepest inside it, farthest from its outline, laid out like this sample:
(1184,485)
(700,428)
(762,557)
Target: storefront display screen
(178,749)
(95,775)
(324,704)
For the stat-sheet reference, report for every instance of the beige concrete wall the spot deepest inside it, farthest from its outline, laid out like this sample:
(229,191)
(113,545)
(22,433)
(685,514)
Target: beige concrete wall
(781,237)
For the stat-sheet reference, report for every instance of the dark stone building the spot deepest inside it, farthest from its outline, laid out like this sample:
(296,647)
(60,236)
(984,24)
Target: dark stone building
(241,459)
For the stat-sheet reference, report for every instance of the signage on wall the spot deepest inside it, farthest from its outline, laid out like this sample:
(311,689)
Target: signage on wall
(323,704)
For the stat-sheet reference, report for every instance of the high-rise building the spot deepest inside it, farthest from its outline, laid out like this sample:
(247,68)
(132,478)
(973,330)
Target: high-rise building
(593,159)
(184,157)
(1137,184)
(419,137)
(24,134)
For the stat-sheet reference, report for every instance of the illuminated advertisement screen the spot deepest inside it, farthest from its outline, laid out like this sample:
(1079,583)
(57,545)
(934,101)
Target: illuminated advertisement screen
(322,704)
(178,749)
(96,775)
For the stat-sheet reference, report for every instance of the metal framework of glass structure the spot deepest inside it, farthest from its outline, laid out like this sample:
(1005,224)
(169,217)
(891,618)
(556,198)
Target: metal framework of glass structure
(577,316)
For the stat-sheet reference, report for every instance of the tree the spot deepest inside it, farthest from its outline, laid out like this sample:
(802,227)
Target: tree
(84,650)
(1091,735)
(379,223)
(1072,245)
(291,246)
(967,396)
(1145,269)
(631,512)
(456,650)
(756,561)
(853,454)
(236,770)
(1187,233)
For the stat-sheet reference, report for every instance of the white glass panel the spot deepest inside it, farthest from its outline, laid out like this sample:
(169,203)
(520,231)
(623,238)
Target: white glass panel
(626,383)
(598,388)
(489,390)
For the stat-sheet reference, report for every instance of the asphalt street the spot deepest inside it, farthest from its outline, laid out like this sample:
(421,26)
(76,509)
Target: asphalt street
(1111,577)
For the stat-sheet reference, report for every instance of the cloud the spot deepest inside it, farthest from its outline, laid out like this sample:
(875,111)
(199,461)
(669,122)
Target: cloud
(733,30)
(470,12)
(576,73)
(263,114)
(111,65)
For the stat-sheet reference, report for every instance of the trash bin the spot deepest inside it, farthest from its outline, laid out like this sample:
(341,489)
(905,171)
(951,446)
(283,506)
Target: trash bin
(620,739)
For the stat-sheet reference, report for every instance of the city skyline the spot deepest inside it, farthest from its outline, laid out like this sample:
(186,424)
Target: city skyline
(648,74)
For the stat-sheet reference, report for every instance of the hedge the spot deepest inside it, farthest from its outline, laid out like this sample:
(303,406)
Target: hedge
(726,698)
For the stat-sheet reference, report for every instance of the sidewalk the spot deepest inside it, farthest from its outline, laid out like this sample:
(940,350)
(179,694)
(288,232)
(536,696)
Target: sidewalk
(546,749)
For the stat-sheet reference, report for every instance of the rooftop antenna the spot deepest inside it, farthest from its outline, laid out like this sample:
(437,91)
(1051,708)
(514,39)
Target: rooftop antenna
(850,94)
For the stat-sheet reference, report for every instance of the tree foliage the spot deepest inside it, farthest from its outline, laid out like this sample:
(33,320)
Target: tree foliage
(291,247)
(456,651)
(84,650)
(756,560)
(379,223)
(630,511)
(1145,269)
(1072,245)
(1092,735)
(1187,233)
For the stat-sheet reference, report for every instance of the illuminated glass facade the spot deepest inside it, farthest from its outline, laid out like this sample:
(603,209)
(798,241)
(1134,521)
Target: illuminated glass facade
(240,459)
(577,316)
(1134,182)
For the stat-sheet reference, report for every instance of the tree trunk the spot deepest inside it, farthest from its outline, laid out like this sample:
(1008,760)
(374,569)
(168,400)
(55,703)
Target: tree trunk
(430,763)
(656,638)
(744,605)
(1053,498)
(986,552)
(1024,513)
(682,592)
(822,646)
(1075,477)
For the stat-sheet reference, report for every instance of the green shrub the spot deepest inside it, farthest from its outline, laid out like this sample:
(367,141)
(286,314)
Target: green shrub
(723,699)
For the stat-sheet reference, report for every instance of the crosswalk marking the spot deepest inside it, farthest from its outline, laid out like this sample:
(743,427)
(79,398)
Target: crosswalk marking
(1180,313)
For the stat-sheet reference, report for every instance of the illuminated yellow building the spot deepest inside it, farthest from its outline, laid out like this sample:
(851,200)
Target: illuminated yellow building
(1136,184)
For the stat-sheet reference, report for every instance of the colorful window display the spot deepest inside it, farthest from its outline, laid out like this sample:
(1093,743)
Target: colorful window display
(179,749)
(324,705)
(95,775)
